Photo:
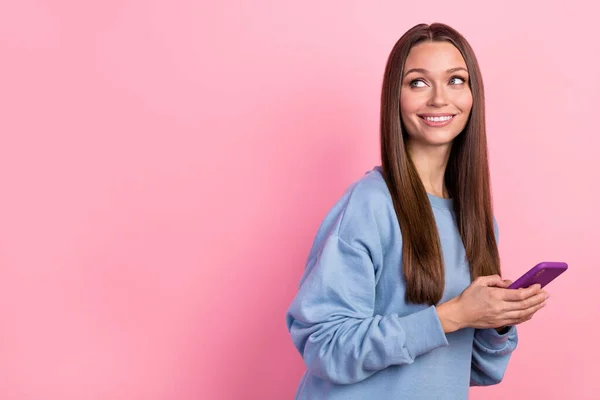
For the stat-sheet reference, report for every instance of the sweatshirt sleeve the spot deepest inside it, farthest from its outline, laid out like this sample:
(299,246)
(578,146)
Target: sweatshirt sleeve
(333,325)
(491,350)
(491,353)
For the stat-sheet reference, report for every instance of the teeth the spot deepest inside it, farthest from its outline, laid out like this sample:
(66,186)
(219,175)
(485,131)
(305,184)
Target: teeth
(438,119)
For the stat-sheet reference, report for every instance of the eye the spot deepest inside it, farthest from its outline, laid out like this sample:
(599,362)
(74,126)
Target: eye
(457,80)
(417,83)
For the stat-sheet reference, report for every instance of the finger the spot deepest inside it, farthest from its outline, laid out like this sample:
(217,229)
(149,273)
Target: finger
(526,303)
(524,314)
(491,280)
(520,321)
(523,320)
(504,284)
(521,294)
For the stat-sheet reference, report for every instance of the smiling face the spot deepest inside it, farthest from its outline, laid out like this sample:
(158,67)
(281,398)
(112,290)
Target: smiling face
(435,98)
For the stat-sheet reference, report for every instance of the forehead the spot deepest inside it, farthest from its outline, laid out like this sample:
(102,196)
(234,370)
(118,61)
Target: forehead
(434,57)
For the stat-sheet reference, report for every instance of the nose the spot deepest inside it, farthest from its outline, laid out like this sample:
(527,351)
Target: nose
(438,97)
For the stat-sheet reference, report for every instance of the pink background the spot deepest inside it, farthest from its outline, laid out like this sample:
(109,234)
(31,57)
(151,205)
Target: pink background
(164,166)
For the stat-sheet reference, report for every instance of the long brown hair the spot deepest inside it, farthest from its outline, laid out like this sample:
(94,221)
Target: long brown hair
(466,178)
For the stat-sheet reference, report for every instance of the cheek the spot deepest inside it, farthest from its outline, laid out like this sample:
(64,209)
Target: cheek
(465,102)
(406,111)
(408,106)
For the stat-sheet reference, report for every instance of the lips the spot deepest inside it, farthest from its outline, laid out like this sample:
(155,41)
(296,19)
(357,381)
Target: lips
(437,120)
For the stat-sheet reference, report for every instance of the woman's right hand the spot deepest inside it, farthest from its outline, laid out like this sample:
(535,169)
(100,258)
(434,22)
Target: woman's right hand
(487,303)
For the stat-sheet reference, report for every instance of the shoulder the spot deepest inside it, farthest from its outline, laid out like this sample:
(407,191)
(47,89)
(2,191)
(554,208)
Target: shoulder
(366,204)
(368,191)
(360,218)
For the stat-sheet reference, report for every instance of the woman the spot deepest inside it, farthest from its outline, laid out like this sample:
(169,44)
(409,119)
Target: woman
(402,296)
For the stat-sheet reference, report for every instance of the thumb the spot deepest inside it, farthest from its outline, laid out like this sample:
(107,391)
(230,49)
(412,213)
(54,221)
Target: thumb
(493,280)
(504,284)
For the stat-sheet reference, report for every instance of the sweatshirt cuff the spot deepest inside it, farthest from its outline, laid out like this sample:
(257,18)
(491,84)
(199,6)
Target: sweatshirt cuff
(492,340)
(424,331)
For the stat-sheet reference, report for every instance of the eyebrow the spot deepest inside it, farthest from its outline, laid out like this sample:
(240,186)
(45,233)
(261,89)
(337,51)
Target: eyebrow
(424,71)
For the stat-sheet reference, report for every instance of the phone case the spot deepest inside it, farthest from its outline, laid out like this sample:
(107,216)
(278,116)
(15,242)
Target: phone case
(543,273)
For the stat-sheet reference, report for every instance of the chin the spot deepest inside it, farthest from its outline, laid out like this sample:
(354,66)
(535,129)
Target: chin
(439,139)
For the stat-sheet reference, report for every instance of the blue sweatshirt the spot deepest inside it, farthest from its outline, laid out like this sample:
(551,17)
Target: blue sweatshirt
(357,335)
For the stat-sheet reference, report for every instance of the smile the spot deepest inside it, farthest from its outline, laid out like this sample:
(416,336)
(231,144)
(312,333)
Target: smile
(437,121)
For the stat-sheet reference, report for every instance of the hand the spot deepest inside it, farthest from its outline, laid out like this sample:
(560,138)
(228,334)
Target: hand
(487,303)
(504,329)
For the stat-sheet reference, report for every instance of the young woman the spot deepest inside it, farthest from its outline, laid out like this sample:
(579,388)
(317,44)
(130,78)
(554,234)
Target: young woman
(402,296)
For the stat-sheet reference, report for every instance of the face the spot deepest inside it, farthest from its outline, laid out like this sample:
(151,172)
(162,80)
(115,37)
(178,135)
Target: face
(435,97)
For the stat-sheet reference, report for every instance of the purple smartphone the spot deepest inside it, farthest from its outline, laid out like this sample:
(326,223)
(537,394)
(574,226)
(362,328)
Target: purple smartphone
(543,273)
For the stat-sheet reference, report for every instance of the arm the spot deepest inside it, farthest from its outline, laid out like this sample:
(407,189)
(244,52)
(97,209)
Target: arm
(491,353)
(492,349)
(333,325)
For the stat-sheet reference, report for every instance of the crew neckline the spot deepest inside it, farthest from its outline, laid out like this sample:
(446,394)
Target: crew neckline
(435,201)
(440,202)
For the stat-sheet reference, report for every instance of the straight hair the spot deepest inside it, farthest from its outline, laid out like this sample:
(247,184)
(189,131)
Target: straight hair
(467,177)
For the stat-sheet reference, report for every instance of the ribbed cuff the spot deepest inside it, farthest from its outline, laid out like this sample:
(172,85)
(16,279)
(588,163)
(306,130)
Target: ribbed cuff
(424,332)
(492,340)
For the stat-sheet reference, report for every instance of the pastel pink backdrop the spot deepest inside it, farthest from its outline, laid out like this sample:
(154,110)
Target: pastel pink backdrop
(164,166)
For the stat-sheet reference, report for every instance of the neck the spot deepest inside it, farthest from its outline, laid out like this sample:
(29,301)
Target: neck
(431,162)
